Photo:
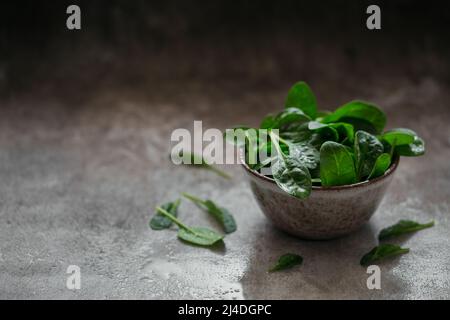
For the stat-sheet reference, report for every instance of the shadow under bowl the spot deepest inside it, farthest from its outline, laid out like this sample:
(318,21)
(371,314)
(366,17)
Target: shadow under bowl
(329,212)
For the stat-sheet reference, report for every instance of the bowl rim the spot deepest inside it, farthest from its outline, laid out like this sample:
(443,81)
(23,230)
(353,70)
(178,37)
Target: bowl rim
(361,184)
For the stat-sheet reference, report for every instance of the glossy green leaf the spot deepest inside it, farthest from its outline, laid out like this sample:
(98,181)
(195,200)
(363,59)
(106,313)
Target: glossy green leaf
(195,235)
(402,227)
(159,221)
(324,130)
(362,111)
(304,153)
(290,174)
(367,150)
(336,165)
(285,118)
(200,236)
(399,136)
(300,96)
(381,252)
(287,261)
(415,149)
(222,215)
(381,165)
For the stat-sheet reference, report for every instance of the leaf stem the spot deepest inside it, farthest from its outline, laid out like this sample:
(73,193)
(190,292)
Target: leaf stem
(173,219)
(193,198)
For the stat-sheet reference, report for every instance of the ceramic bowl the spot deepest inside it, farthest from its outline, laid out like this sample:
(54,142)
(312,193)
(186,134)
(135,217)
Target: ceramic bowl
(328,213)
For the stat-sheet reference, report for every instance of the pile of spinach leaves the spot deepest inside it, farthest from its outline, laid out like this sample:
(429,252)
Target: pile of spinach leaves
(343,147)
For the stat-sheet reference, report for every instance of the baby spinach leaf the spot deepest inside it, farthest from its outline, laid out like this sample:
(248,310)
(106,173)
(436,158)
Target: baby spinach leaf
(287,261)
(359,110)
(417,148)
(159,221)
(200,236)
(195,235)
(399,136)
(222,215)
(381,165)
(292,177)
(268,122)
(301,96)
(336,165)
(286,117)
(402,227)
(304,152)
(324,130)
(296,133)
(345,130)
(198,160)
(382,251)
(367,150)
(290,174)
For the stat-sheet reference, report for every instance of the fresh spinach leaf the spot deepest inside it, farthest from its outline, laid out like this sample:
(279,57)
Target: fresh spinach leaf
(200,236)
(196,235)
(381,165)
(399,136)
(198,160)
(336,165)
(268,122)
(304,152)
(159,221)
(382,251)
(285,118)
(367,150)
(222,215)
(290,174)
(415,149)
(287,261)
(301,96)
(324,130)
(402,227)
(362,111)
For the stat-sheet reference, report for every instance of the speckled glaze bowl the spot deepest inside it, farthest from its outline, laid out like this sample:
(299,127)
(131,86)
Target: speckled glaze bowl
(328,213)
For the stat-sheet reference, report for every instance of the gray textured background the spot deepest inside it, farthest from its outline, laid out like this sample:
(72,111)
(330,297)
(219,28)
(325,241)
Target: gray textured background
(85,132)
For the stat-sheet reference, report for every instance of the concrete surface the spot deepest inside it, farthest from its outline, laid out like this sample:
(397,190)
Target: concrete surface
(83,162)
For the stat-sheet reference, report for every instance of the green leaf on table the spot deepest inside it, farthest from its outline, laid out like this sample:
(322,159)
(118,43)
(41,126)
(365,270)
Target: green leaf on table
(198,160)
(300,96)
(336,165)
(367,150)
(382,251)
(287,261)
(402,227)
(159,221)
(290,174)
(200,236)
(222,215)
(366,115)
(196,235)
(381,165)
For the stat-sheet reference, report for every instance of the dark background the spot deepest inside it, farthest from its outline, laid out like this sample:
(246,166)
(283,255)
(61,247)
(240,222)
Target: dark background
(233,38)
